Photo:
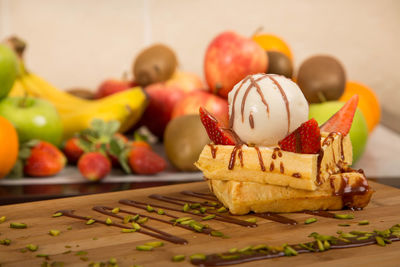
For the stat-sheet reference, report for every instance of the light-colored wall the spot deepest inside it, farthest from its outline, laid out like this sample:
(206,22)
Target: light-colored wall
(80,43)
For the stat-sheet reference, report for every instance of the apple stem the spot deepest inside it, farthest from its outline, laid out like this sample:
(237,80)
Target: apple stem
(23,102)
(321,96)
(258,30)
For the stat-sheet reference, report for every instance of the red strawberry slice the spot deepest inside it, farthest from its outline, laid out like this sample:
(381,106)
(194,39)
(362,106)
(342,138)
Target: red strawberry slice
(305,139)
(214,130)
(341,121)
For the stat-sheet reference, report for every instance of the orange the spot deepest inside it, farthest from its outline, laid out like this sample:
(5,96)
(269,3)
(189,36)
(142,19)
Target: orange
(8,146)
(270,42)
(368,103)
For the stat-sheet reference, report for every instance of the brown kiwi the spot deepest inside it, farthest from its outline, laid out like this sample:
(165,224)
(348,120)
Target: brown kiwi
(156,63)
(279,63)
(184,139)
(321,78)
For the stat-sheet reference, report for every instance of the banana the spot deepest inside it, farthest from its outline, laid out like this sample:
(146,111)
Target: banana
(126,107)
(76,113)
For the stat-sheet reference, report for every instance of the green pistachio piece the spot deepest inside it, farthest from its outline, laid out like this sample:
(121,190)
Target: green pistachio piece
(155,244)
(327,245)
(222,209)
(186,207)
(142,220)
(364,222)
(233,250)
(2,219)
(198,256)
(5,242)
(306,247)
(183,219)
(128,230)
(289,251)
(258,247)
(81,253)
(217,233)
(347,235)
(69,228)
(18,225)
(310,220)
(195,205)
(127,219)
(144,248)
(230,257)
(108,221)
(245,249)
(251,220)
(160,212)
(320,245)
(195,212)
(58,214)
(135,218)
(208,217)
(32,247)
(149,208)
(344,216)
(136,226)
(203,209)
(90,221)
(380,241)
(54,232)
(115,210)
(188,222)
(178,258)
(112,261)
(362,238)
(343,224)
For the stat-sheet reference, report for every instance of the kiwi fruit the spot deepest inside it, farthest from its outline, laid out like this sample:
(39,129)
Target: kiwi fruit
(156,63)
(184,139)
(279,63)
(321,78)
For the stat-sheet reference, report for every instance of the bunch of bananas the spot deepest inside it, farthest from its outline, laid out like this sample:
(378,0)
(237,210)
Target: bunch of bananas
(77,113)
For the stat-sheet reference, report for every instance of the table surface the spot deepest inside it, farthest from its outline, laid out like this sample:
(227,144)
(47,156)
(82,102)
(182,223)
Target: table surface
(102,242)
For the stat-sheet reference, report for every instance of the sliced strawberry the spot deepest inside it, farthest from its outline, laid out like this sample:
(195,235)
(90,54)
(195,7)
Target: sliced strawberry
(341,121)
(214,130)
(305,139)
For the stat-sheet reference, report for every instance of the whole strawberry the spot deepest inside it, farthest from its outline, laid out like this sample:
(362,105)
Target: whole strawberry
(94,166)
(144,161)
(73,150)
(44,160)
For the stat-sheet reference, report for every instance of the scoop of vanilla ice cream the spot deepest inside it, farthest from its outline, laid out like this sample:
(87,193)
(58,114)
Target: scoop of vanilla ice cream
(264,108)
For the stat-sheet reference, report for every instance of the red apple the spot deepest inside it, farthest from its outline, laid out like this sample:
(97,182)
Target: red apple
(191,103)
(162,100)
(231,57)
(187,81)
(112,86)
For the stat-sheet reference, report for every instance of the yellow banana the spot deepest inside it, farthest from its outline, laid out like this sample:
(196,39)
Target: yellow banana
(18,89)
(126,107)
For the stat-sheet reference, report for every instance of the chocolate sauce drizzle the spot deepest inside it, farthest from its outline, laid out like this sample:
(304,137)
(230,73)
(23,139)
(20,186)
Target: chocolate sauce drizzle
(251,120)
(154,232)
(213,150)
(180,202)
(281,167)
(233,156)
(260,159)
(285,99)
(229,258)
(276,218)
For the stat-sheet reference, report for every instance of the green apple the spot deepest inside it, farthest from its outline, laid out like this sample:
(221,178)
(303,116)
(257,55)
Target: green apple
(8,70)
(358,132)
(33,118)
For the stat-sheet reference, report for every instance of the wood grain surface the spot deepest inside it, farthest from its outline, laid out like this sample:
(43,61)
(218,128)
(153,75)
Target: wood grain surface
(102,242)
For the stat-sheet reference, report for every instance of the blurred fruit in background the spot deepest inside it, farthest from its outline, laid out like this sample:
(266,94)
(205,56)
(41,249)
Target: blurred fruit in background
(94,166)
(186,81)
(33,118)
(154,64)
(145,161)
(271,42)
(279,64)
(73,150)
(359,129)
(191,103)
(84,93)
(321,78)
(111,86)
(184,139)
(163,99)
(229,58)
(8,146)
(368,102)
(8,70)
(44,160)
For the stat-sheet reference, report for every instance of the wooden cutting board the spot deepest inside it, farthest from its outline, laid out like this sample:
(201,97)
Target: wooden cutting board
(102,242)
